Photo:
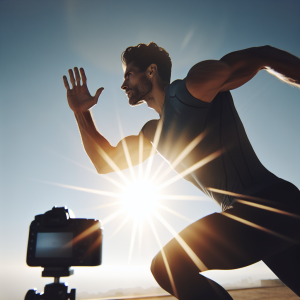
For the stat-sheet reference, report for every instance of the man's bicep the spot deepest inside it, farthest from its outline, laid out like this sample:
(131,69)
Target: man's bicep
(210,77)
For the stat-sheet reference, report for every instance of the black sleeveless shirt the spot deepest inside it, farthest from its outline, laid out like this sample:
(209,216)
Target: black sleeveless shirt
(228,160)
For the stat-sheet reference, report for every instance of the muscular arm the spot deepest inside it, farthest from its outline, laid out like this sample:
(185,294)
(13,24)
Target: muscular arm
(130,151)
(105,157)
(207,78)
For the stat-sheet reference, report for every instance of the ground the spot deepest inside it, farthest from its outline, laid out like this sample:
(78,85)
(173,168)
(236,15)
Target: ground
(274,293)
(265,293)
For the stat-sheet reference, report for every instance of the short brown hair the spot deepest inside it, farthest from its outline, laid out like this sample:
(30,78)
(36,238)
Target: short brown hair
(144,55)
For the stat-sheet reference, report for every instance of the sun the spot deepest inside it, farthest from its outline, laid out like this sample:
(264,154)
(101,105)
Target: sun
(140,199)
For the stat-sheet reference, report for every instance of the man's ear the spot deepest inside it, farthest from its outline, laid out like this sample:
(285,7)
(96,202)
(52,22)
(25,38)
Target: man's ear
(152,69)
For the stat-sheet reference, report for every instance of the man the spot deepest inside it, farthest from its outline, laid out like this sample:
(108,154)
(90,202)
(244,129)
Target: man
(200,133)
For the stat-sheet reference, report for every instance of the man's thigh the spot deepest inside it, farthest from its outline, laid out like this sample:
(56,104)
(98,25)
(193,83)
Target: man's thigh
(220,242)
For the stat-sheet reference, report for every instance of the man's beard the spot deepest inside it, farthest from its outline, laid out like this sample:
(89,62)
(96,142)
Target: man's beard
(140,91)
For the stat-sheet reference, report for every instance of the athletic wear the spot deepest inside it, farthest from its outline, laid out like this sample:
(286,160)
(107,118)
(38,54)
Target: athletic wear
(234,165)
(264,227)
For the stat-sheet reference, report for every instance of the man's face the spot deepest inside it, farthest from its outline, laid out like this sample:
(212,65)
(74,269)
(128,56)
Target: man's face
(136,85)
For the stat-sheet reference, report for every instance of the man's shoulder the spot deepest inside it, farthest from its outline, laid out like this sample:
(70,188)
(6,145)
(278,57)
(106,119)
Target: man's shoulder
(206,79)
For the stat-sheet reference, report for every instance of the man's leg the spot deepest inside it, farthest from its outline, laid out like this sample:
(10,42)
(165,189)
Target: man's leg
(286,266)
(286,263)
(236,238)
(220,242)
(184,280)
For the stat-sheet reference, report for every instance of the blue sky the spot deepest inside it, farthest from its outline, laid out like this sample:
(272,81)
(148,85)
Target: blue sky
(40,143)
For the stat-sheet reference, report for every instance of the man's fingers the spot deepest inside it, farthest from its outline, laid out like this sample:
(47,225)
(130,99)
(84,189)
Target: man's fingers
(77,76)
(66,83)
(98,93)
(83,77)
(72,79)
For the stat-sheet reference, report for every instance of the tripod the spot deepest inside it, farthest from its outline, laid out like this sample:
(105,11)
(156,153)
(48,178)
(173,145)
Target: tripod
(56,290)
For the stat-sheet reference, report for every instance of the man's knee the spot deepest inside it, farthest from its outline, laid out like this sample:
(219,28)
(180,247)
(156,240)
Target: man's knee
(159,270)
(155,264)
(160,273)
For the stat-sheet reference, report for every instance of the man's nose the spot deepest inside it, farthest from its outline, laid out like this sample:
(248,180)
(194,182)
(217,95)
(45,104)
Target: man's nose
(124,86)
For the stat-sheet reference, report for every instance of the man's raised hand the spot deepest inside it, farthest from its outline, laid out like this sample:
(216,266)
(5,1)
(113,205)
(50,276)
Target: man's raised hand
(79,97)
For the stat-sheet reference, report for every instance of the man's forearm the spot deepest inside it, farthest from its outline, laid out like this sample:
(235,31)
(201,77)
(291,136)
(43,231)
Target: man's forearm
(94,143)
(283,65)
(280,63)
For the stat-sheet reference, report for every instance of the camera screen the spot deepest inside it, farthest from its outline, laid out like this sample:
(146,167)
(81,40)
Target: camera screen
(54,244)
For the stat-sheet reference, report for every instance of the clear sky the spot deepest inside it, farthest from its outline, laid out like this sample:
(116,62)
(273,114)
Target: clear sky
(40,143)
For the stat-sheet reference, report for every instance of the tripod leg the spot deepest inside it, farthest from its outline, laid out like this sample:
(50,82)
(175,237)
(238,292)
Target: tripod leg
(32,295)
(72,294)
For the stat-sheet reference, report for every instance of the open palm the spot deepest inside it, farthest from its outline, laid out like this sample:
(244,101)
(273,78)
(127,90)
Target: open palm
(79,97)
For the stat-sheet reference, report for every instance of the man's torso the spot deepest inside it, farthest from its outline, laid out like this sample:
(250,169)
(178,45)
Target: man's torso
(214,140)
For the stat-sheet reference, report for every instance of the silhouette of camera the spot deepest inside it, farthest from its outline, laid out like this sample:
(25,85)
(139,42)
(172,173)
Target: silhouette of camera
(56,242)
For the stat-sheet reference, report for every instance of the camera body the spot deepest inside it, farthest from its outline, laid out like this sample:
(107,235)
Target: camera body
(58,241)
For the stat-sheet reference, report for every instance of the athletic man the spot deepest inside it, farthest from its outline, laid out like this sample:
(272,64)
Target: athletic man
(200,133)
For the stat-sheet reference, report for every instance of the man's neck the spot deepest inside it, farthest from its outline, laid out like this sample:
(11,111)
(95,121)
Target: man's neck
(157,98)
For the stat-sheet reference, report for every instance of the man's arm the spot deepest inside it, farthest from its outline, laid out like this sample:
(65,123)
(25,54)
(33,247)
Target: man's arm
(210,77)
(105,157)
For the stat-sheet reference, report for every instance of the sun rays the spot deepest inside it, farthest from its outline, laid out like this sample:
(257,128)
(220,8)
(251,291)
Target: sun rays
(163,256)
(140,196)
(183,244)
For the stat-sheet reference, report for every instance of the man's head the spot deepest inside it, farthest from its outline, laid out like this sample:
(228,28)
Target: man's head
(143,63)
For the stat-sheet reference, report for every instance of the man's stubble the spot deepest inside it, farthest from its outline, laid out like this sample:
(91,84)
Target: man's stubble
(141,91)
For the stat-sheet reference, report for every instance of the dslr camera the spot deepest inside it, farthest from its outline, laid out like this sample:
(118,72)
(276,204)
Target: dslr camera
(56,242)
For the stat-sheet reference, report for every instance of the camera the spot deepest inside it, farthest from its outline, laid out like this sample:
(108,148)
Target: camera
(56,242)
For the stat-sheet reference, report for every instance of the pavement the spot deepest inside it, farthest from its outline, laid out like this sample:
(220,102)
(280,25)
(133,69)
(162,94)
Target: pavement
(267,293)
(262,293)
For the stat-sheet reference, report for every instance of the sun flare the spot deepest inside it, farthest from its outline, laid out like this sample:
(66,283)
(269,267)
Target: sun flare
(140,199)
(143,198)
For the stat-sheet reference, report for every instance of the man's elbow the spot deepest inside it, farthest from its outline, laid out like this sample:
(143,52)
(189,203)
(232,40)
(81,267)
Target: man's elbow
(268,55)
(99,170)
(266,49)
(103,169)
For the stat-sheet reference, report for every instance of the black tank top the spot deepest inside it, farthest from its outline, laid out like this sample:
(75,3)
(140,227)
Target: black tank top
(236,168)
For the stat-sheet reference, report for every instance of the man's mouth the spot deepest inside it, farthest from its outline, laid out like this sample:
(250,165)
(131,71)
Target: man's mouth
(128,92)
